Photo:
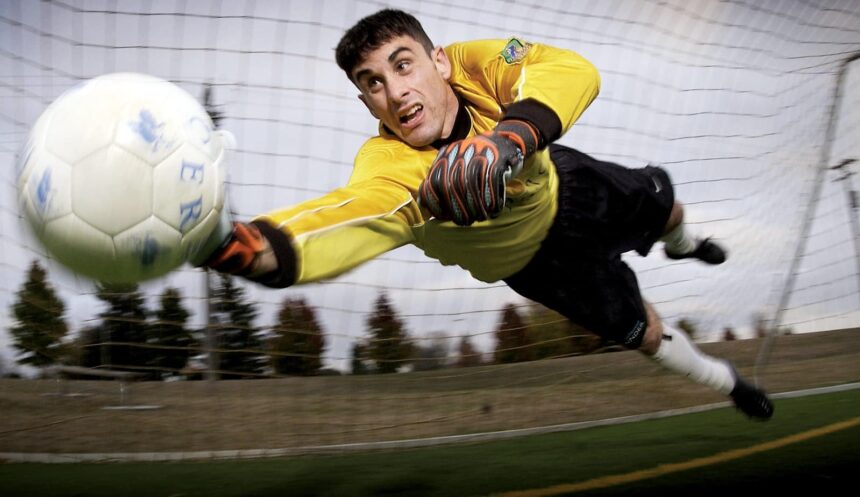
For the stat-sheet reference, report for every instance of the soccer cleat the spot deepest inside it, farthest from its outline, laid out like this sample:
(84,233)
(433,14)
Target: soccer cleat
(706,251)
(750,399)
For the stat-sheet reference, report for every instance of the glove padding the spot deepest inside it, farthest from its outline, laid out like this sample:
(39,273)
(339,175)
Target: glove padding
(467,180)
(241,253)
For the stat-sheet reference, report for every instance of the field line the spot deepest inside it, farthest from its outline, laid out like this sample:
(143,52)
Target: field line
(665,469)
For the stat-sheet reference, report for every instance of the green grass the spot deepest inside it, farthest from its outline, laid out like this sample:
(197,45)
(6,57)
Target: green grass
(818,464)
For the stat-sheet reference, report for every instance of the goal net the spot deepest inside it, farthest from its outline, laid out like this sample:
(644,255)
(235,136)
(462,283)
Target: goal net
(737,99)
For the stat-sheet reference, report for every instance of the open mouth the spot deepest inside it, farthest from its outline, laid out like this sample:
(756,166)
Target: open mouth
(412,114)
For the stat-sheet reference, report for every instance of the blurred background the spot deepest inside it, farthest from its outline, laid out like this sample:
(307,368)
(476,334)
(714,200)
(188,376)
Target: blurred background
(751,106)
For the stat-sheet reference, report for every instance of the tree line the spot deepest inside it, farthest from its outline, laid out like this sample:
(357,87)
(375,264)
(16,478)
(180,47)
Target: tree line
(158,343)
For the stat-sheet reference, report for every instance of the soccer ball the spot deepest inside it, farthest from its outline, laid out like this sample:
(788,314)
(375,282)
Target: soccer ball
(122,178)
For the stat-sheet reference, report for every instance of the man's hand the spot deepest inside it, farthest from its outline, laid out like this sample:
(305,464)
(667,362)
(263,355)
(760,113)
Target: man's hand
(245,253)
(467,180)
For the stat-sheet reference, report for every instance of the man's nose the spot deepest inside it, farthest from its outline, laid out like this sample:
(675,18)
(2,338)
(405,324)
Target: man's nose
(398,91)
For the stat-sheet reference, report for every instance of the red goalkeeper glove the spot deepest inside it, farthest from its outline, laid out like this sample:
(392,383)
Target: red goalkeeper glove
(467,180)
(242,253)
(258,252)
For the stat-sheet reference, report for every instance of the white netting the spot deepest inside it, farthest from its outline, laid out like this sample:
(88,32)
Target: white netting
(732,97)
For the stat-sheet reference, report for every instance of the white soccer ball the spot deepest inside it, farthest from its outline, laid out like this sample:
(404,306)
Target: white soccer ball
(122,178)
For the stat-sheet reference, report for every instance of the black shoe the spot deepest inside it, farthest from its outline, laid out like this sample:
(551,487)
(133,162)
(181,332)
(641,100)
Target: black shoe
(706,251)
(750,399)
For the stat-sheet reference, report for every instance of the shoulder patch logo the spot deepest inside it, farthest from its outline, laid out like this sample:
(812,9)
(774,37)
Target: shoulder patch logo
(515,51)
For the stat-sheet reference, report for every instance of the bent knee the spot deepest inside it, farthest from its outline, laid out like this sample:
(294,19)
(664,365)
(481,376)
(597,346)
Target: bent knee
(676,217)
(653,334)
(651,340)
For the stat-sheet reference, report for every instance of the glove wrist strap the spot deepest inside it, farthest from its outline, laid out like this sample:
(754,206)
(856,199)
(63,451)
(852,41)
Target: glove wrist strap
(540,116)
(282,248)
(523,134)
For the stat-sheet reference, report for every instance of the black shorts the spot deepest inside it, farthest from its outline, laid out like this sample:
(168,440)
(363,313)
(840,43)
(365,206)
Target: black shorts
(604,210)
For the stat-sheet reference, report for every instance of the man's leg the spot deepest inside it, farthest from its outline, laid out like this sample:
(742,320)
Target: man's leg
(674,351)
(579,273)
(679,244)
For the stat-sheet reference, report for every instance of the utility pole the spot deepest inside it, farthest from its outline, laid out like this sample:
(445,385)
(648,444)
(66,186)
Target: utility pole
(852,199)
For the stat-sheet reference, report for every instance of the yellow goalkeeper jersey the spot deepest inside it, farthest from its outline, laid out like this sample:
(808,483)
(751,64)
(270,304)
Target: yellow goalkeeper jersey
(378,211)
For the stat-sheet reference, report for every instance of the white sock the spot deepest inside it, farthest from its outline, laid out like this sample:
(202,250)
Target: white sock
(678,241)
(677,353)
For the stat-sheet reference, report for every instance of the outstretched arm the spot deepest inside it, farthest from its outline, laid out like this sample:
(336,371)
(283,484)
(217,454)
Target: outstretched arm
(328,236)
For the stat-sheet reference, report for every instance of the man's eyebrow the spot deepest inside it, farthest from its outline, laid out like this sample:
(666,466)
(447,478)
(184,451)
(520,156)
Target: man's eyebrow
(391,58)
(395,53)
(360,74)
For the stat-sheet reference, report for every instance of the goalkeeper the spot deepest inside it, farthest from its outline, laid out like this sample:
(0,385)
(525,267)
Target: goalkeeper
(465,168)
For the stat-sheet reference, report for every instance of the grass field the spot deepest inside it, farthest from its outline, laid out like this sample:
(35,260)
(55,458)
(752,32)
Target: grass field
(713,453)
(301,412)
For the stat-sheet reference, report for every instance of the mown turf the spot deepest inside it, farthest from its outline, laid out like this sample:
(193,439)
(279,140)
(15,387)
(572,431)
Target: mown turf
(821,464)
(299,412)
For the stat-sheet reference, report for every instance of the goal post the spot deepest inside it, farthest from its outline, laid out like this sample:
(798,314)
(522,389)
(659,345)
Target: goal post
(747,105)
(837,116)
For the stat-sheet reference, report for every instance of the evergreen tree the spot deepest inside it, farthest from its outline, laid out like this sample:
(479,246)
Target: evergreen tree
(512,338)
(358,362)
(467,355)
(556,336)
(236,337)
(389,346)
(550,332)
(169,331)
(431,354)
(87,351)
(123,331)
(297,341)
(38,314)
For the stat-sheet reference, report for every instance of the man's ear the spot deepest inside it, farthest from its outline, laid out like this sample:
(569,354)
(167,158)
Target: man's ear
(443,64)
(369,108)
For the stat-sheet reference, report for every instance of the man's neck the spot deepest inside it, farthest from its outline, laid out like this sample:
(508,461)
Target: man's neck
(461,126)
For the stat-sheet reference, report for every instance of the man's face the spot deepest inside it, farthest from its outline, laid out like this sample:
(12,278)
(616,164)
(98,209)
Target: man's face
(408,90)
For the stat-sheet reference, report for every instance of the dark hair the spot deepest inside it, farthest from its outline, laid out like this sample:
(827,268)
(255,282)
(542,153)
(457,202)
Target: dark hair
(375,30)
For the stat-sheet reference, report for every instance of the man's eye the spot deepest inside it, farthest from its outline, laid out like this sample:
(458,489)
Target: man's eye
(403,65)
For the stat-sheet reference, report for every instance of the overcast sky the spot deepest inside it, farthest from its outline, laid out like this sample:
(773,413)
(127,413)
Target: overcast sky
(733,97)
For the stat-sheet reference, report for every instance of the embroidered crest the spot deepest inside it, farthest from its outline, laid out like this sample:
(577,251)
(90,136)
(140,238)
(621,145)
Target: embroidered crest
(515,50)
